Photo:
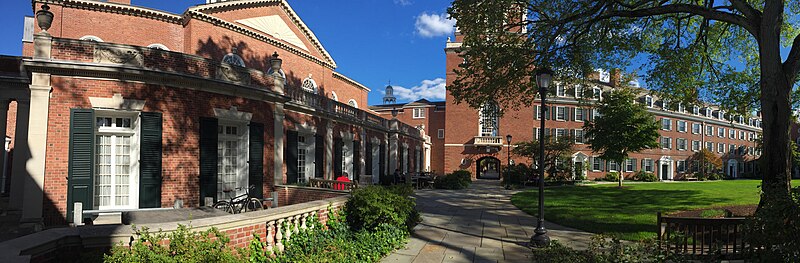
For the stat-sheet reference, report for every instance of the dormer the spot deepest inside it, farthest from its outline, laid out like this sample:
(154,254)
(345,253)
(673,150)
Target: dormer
(648,101)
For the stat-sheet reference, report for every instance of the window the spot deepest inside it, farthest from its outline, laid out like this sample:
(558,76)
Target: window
(352,103)
(751,136)
(578,91)
(648,101)
(309,85)
(721,132)
(489,119)
(232,156)
(696,128)
(561,113)
(710,146)
(741,135)
(695,146)
(158,46)
(597,93)
(682,126)
(709,130)
(731,148)
(537,112)
(561,90)
(720,147)
(666,143)
(560,133)
(722,115)
(440,133)
(301,158)
(665,105)
(629,165)
(116,153)
(647,165)
(681,108)
(579,136)
(731,134)
(579,112)
(536,133)
(681,144)
(707,111)
(233,59)
(695,110)
(681,166)
(596,164)
(613,166)
(419,113)
(666,124)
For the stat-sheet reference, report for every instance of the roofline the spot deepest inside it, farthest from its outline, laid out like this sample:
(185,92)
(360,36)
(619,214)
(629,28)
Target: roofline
(115,8)
(350,81)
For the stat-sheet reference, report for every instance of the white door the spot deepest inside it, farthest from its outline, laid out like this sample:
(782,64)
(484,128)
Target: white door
(305,157)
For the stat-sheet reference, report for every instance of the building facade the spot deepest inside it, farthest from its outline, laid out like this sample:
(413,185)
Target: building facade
(475,140)
(429,118)
(115,107)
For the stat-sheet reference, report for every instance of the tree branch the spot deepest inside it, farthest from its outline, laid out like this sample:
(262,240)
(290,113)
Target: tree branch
(687,9)
(792,64)
(746,9)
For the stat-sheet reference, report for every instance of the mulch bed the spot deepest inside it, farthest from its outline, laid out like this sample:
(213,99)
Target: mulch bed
(733,210)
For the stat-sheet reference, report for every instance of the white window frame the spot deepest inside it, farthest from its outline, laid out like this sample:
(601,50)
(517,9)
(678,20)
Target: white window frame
(597,163)
(241,120)
(562,111)
(681,144)
(731,134)
(560,130)
(682,129)
(697,128)
(158,46)
(709,130)
(309,85)
(91,38)
(613,166)
(668,123)
(440,133)
(741,135)
(681,166)
(710,146)
(721,132)
(647,165)
(629,165)
(597,93)
(648,100)
(583,113)
(418,113)
(681,108)
(578,91)
(720,147)
(561,91)
(696,145)
(133,170)
(582,135)
(666,143)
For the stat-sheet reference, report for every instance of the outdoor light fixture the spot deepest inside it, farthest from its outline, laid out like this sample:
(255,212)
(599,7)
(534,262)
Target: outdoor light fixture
(508,138)
(543,78)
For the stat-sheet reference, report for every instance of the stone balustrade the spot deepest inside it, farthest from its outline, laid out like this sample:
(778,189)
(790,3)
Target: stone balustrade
(332,184)
(488,140)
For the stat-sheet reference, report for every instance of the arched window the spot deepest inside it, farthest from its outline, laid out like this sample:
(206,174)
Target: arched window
(233,59)
(310,85)
(91,38)
(333,96)
(353,103)
(158,46)
(489,119)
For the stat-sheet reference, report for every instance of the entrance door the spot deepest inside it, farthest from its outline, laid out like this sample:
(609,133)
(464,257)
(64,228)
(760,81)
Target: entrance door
(578,171)
(664,171)
(488,168)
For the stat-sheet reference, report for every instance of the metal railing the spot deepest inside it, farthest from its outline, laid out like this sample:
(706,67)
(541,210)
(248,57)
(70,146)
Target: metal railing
(702,237)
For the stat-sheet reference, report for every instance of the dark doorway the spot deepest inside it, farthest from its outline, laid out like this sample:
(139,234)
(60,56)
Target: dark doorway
(488,168)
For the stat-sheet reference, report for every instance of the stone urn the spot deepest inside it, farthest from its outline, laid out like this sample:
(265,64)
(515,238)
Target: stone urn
(44,18)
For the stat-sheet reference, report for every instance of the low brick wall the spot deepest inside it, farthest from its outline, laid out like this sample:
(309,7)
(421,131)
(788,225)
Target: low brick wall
(291,194)
(65,244)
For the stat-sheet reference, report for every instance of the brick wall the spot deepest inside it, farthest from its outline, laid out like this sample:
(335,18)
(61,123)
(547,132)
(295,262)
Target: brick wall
(291,195)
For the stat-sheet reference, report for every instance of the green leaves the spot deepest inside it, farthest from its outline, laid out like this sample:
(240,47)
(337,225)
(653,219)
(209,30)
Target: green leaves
(623,127)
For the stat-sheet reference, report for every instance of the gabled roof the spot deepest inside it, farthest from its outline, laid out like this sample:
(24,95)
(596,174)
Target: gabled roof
(208,9)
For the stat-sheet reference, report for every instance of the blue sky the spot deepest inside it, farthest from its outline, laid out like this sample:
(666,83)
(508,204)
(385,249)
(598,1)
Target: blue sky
(372,41)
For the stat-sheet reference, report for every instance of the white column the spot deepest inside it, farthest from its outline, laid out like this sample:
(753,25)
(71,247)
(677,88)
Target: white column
(21,155)
(277,132)
(37,145)
(427,157)
(362,148)
(329,150)
(3,121)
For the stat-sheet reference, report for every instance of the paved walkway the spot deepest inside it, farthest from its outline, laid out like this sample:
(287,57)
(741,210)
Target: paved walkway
(478,224)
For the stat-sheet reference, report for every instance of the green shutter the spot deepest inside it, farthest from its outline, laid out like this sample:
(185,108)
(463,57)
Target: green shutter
(337,157)
(256,159)
(319,156)
(634,164)
(81,160)
(150,160)
(208,159)
(290,157)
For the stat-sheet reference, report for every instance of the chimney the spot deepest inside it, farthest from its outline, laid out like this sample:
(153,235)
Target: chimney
(615,78)
(122,2)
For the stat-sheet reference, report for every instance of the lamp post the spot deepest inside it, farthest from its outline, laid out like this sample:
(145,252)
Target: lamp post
(508,138)
(540,238)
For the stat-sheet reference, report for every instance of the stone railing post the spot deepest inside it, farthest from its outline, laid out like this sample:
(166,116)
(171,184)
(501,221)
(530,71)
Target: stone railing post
(270,237)
(279,235)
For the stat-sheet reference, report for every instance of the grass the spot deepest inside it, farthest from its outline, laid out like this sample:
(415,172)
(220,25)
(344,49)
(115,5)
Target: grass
(712,213)
(630,213)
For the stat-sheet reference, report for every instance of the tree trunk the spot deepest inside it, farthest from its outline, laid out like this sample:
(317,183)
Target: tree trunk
(776,112)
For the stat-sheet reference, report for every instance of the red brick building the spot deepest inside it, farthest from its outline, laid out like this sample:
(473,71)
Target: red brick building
(427,116)
(119,107)
(477,142)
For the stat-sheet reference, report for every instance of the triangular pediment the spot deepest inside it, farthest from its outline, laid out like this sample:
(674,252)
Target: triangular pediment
(274,26)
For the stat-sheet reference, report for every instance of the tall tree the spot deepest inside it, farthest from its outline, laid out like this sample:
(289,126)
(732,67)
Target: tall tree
(622,127)
(707,161)
(555,150)
(689,46)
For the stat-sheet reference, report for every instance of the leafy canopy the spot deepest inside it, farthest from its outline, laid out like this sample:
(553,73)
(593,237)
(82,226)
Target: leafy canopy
(622,127)
(554,149)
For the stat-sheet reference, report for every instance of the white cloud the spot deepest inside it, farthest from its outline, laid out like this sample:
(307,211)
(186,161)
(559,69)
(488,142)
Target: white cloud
(431,25)
(432,90)
(403,2)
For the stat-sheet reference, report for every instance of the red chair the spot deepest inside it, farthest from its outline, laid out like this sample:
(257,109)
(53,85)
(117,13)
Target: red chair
(339,186)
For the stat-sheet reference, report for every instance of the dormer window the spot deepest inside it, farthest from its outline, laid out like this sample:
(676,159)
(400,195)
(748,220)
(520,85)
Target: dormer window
(707,111)
(561,91)
(597,93)
(648,101)
(721,115)
(665,104)
(681,108)
(578,91)
(695,110)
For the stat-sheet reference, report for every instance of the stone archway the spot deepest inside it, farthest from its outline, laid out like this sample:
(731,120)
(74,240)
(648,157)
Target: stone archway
(487,168)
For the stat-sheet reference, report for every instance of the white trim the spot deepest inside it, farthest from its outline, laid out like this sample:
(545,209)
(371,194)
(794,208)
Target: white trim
(333,96)
(158,46)
(353,103)
(233,114)
(133,170)
(91,38)
(117,102)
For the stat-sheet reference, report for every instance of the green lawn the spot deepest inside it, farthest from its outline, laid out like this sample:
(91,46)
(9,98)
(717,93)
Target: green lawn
(630,213)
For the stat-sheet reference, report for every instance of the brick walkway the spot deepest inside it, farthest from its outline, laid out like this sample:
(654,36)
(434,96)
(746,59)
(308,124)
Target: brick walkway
(478,224)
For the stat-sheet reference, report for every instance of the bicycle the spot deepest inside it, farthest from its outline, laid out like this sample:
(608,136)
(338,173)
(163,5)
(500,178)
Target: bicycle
(240,203)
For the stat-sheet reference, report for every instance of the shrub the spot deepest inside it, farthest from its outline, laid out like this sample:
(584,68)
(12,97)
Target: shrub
(645,177)
(516,175)
(605,250)
(184,246)
(612,177)
(456,180)
(715,176)
(372,206)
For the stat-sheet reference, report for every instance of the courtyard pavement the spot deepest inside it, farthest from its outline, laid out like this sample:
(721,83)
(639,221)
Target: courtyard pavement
(478,224)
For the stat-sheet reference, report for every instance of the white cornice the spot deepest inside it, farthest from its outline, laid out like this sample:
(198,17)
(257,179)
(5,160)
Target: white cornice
(115,8)
(351,81)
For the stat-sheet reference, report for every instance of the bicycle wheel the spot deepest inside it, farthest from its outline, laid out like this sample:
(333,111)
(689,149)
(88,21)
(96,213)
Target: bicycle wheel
(254,204)
(224,206)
